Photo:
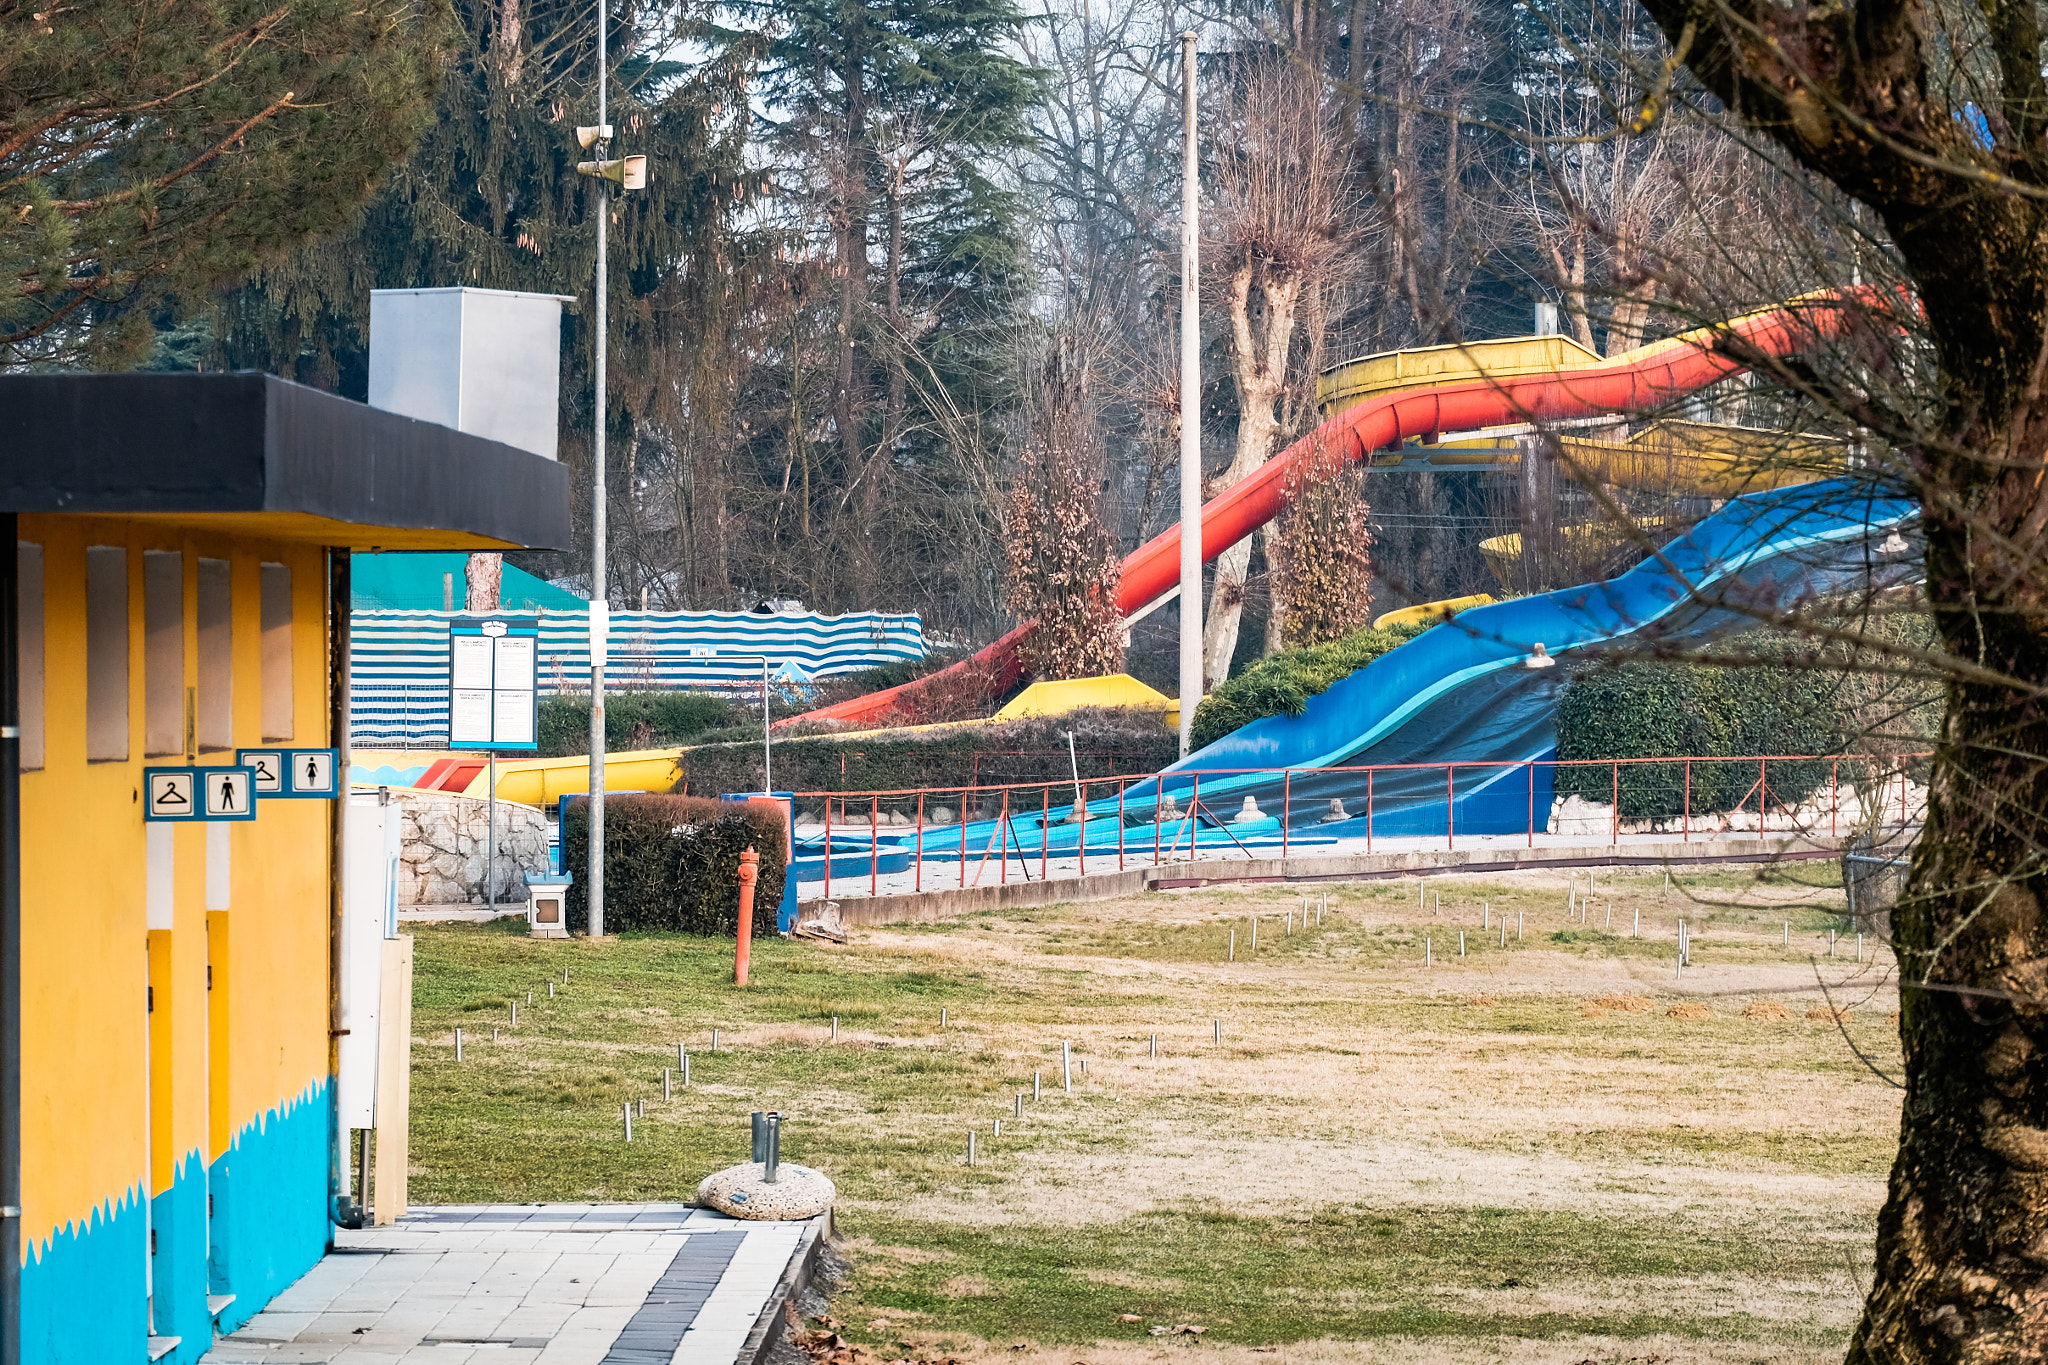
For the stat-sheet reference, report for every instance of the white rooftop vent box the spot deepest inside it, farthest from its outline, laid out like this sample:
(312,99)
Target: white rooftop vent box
(484,361)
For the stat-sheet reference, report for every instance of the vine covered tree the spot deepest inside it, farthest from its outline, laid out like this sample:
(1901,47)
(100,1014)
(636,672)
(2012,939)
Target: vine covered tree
(159,149)
(1322,552)
(1064,566)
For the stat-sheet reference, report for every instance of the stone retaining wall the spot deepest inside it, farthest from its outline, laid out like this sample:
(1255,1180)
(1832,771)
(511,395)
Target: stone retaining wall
(442,847)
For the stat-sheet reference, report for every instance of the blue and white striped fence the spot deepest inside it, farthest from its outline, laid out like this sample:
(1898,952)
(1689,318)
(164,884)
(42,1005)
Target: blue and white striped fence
(399,659)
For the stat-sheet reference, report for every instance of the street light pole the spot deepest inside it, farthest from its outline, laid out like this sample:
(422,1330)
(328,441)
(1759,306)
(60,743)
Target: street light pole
(1190,406)
(600,602)
(767,774)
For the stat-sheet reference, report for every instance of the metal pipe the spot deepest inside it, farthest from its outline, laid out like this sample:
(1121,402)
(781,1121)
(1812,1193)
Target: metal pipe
(759,1151)
(600,595)
(1190,402)
(346,1212)
(10,947)
(773,1157)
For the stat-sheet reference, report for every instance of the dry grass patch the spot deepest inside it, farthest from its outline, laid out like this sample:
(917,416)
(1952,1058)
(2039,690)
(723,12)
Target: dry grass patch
(1377,1162)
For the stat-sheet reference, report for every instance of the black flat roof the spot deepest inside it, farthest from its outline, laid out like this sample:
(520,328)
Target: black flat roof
(253,451)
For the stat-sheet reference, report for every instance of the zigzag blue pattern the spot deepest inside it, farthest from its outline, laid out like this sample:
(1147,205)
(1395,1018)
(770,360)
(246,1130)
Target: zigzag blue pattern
(85,1290)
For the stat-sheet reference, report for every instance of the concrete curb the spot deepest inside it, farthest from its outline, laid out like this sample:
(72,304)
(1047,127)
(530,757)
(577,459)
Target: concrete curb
(778,1315)
(939,905)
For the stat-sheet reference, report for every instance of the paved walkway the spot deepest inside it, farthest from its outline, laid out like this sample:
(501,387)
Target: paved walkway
(555,1284)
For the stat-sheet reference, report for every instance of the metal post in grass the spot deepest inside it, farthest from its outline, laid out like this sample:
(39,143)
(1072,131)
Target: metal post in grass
(1788,935)
(1518,926)
(1020,1104)
(668,1083)
(714,1040)
(515,1014)
(1428,952)
(1037,1086)
(1233,946)
(835,1028)
(640,1109)
(1255,933)
(1461,943)
(1155,1047)
(1639,923)
(942,1016)
(627,1111)
(565,976)
(1859,958)
(970,1146)
(686,1071)
(551,990)
(1067,1066)
(1486,914)
(458,1031)
(999,1129)
(494,1033)
(1217,1025)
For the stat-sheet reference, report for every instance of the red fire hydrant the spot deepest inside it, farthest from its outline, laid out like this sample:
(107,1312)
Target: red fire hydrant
(750,872)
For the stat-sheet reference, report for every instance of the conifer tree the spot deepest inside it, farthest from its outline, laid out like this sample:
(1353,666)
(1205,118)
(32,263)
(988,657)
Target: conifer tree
(158,148)
(889,122)
(491,198)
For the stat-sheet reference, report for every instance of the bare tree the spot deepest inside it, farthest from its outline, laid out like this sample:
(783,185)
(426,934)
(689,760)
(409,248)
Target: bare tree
(1282,217)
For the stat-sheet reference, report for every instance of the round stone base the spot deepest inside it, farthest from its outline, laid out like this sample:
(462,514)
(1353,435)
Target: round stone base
(798,1192)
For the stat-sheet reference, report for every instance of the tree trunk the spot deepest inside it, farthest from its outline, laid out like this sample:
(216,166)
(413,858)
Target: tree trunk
(1962,1244)
(1259,335)
(482,578)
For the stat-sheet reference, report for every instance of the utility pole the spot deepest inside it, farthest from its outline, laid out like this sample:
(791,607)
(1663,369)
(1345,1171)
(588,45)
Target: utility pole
(628,173)
(1190,405)
(600,600)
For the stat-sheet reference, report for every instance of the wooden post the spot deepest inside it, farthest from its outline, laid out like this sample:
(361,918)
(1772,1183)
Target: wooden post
(394,1080)
(750,872)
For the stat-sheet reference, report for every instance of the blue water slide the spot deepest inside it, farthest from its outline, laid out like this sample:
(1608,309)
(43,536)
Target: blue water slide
(1461,693)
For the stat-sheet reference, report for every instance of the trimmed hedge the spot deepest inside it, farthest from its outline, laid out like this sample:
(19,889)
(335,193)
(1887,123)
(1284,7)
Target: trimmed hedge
(1281,684)
(632,720)
(1654,709)
(673,863)
(1107,741)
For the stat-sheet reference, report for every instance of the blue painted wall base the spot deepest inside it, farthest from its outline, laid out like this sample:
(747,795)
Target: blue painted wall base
(85,1292)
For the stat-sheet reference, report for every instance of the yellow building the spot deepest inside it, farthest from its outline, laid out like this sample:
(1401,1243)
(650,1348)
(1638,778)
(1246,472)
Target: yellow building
(167,989)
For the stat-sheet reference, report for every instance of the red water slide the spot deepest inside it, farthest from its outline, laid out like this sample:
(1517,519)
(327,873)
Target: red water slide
(1632,382)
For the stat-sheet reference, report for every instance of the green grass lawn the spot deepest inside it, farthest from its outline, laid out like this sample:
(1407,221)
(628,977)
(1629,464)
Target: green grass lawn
(1520,1145)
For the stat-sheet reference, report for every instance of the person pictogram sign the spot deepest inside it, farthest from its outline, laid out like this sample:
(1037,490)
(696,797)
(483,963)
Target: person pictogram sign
(312,772)
(294,774)
(230,793)
(200,794)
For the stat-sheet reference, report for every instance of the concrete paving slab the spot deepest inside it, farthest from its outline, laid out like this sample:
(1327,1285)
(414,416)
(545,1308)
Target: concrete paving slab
(550,1284)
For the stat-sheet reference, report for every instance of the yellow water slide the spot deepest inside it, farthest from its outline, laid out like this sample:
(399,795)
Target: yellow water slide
(1702,458)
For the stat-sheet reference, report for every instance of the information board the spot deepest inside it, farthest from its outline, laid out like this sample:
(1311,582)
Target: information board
(492,699)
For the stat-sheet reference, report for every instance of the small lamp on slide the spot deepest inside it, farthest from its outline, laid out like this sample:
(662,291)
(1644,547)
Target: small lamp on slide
(1539,657)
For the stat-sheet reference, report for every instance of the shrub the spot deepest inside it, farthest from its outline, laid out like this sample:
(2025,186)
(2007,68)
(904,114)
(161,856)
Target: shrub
(673,863)
(1107,741)
(1281,684)
(1655,709)
(632,720)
